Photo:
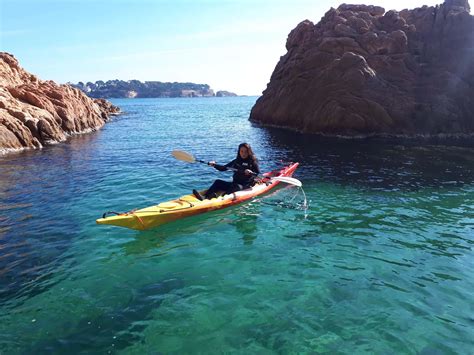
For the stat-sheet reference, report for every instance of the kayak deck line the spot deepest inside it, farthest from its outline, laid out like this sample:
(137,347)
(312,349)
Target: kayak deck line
(189,205)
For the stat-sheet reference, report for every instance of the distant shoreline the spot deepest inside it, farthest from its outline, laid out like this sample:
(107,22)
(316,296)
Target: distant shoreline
(148,89)
(179,97)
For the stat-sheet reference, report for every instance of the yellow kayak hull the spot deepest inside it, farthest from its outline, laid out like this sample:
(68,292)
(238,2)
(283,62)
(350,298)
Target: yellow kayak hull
(189,205)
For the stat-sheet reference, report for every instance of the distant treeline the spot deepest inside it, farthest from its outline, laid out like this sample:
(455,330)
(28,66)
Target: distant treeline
(135,88)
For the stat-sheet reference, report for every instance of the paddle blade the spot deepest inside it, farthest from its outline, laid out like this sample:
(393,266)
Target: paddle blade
(288,180)
(180,155)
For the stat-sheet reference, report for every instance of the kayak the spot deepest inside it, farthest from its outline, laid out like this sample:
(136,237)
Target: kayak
(189,205)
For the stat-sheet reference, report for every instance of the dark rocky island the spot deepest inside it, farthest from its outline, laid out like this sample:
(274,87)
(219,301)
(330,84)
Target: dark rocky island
(147,89)
(364,71)
(224,93)
(34,112)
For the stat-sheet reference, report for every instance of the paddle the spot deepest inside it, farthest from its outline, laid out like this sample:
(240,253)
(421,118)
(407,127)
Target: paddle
(183,156)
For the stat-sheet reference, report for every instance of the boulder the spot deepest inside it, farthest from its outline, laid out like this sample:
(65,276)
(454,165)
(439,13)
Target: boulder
(364,71)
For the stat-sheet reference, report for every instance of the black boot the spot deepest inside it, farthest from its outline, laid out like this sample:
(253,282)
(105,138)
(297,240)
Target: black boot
(198,195)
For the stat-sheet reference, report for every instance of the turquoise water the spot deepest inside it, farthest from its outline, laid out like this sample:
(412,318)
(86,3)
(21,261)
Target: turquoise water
(381,262)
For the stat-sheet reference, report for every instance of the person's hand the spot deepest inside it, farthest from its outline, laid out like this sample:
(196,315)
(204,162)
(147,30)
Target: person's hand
(248,172)
(211,163)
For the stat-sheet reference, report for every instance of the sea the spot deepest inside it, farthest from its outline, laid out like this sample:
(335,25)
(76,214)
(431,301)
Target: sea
(379,260)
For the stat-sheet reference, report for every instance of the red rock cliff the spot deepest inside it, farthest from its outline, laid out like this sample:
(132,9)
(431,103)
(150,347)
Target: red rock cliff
(35,112)
(362,70)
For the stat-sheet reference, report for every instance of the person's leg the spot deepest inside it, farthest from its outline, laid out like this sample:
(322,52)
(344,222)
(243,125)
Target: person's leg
(198,195)
(218,185)
(233,187)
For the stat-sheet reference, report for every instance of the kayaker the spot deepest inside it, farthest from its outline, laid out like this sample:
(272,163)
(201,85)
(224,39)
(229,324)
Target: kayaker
(247,169)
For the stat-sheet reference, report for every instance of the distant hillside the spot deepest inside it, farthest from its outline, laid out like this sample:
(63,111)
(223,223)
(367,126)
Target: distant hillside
(135,88)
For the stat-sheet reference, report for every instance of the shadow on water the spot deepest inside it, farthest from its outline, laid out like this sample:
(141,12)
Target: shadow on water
(164,238)
(157,239)
(116,328)
(245,223)
(29,267)
(37,226)
(38,216)
(374,162)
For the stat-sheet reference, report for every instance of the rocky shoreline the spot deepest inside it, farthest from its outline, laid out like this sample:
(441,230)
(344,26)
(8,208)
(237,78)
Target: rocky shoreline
(362,71)
(35,113)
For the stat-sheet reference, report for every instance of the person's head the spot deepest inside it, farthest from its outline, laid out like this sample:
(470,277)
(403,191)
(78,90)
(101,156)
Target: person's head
(245,151)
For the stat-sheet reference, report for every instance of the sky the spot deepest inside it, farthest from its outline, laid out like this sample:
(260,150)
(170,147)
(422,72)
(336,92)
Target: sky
(229,44)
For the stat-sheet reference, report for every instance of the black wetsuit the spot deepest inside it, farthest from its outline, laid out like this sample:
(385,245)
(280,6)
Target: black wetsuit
(240,180)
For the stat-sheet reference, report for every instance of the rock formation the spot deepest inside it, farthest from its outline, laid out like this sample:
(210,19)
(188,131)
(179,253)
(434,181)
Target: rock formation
(34,112)
(364,71)
(223,93)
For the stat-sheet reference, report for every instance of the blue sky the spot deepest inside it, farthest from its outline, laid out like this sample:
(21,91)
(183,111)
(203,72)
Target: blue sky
(230,45)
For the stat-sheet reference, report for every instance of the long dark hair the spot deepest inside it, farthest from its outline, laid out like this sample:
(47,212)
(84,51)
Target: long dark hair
(249,149)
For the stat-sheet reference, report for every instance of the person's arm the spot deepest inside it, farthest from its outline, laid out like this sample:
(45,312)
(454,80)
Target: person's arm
(230,164)
(254,169)
(222,167)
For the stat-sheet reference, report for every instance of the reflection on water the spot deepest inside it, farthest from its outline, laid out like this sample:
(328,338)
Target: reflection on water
(246,224)
(375,163)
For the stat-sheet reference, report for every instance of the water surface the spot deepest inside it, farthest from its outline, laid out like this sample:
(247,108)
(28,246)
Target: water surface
(382,263)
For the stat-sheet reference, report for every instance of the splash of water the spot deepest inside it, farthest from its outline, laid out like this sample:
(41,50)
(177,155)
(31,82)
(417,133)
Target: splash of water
(288,203)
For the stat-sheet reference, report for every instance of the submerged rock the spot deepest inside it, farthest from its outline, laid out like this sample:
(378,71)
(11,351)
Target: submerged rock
(34,112)
(363,71)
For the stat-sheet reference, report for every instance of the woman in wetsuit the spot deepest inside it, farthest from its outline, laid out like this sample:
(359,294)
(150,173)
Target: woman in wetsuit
(244,177)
